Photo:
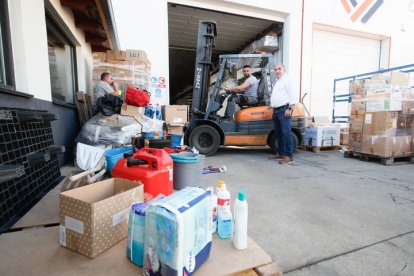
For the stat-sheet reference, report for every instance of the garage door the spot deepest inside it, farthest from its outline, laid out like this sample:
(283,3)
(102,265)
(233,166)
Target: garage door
(336,55)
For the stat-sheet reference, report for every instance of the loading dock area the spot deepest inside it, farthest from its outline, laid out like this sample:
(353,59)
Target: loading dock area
(324,214)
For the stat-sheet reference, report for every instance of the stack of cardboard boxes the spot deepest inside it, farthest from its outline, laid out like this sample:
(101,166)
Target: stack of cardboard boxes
(128,68)
(175,116)
(382,115)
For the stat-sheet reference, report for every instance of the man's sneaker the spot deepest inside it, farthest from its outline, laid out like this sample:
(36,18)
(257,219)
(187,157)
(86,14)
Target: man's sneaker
(286,161)
(276,157)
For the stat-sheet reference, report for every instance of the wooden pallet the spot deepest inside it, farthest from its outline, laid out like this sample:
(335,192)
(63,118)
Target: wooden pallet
(406,159)
(84,107)
(320,149)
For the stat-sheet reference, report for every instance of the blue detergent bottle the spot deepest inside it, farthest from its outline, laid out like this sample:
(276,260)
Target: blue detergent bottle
(225,223)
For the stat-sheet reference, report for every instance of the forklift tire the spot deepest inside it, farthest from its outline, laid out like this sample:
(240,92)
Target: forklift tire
(205,139)
(274,146)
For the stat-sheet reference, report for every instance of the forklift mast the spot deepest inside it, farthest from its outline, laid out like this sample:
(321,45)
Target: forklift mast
(206,33)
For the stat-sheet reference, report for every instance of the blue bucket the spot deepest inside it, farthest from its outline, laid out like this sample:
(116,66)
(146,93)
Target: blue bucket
(113,155)
(175,140)
(151,135)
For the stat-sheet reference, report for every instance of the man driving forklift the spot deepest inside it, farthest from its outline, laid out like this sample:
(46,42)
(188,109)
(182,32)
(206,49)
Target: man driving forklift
(244,94)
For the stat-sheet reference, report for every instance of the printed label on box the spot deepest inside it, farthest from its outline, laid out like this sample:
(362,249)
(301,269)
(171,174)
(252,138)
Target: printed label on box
(74,225)
(121,216)
(368,118)
(62,235)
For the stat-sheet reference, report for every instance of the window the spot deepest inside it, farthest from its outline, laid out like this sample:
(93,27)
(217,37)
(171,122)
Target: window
(62,63)
(6,69)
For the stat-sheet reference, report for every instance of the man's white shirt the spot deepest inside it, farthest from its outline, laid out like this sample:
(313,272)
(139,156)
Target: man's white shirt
(283,92)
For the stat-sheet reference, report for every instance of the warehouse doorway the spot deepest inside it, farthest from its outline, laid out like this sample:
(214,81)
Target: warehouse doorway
(234,33)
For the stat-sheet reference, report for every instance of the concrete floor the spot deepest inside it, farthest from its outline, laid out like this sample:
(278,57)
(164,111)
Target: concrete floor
(325,214)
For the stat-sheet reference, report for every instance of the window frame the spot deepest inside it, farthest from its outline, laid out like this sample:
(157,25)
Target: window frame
(54,21)
(6,50)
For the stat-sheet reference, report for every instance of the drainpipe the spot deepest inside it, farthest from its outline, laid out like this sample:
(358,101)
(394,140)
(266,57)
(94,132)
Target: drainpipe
(301,51)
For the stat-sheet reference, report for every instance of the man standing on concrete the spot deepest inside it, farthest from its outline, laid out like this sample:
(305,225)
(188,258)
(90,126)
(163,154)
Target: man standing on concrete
(245,94)
(283,101)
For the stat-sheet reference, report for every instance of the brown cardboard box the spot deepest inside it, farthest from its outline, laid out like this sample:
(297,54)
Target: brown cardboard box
(408,107)
(99,56)
(137,55)
(94,218)
(356,123)
(380,123)
(344,138)
(386,146)
(115,55)
(175,130)
(355,142)
(357,107)
(130,110)
(405,124)
(175,114)
(393,78)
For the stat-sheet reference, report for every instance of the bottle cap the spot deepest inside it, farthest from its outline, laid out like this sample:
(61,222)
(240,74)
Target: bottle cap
(241,195)
(220,183)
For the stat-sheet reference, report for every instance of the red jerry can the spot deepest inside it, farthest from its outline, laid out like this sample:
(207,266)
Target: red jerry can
(151,167)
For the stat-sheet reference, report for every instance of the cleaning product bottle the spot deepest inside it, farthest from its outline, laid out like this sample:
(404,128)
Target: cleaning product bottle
(240,221)
(219,185)
(225,223)
(213,209)
(223,197)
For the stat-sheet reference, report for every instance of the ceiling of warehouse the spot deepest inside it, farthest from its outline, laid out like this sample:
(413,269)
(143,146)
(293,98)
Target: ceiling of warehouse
(234,32)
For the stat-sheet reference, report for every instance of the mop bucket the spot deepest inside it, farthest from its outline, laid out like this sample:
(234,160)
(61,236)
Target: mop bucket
(113,155)
(188,168)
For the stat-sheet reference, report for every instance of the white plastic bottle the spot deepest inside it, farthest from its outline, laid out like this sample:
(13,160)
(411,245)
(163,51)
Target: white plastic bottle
(213,210)
(225,223)
(240,221)
(223,198)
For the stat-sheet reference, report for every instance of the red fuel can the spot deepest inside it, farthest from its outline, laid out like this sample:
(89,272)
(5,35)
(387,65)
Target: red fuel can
(151,167)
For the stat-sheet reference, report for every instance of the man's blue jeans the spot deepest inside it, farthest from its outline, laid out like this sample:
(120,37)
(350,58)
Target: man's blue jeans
(283,132)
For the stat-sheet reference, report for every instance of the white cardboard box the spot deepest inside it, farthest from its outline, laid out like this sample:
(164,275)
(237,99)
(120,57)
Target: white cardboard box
(322,136)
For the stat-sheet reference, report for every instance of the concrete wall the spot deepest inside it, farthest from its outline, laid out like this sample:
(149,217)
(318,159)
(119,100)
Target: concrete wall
(29,47)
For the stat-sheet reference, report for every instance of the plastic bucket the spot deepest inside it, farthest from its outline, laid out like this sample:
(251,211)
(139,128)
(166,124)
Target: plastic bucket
(175,140)
(188,168)
(151,135)
(113,155)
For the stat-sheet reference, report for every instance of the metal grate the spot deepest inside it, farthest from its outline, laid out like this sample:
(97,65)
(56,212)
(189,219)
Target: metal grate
(27,166)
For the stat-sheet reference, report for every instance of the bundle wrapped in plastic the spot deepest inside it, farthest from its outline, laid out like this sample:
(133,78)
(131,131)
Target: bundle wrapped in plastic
(115,130)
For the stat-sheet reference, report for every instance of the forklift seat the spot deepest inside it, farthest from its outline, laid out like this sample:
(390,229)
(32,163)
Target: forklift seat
(261,92)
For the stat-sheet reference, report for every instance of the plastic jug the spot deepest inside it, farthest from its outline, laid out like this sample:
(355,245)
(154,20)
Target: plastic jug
(240,221)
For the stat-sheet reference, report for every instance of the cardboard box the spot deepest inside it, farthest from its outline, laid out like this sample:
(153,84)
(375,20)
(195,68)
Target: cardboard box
(380,123)
(115,55)
(344,138)
(408,107)
(178,130)
(94,218)
(356,123)
(386,146)
(357,107)
(355,142)
(383,104)
(393,78)
(130,110)
(322,136)
(99,56)
(175,114)
(405,124)
(136,55)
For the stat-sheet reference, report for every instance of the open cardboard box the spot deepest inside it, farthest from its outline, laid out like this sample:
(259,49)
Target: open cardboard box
(94,218)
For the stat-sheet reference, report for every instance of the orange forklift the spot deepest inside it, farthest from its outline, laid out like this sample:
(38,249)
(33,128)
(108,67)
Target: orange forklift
(252,125)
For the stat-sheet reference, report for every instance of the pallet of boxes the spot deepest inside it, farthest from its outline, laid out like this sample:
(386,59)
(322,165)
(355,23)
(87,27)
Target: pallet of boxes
(130,68)
(382,118)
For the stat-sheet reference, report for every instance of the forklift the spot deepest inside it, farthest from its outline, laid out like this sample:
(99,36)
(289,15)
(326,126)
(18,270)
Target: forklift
(252,125)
